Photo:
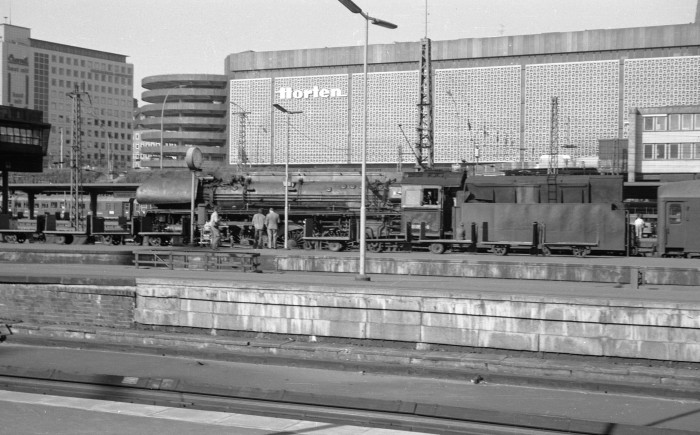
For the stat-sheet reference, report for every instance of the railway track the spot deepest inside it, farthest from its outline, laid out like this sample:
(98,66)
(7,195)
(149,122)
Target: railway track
(336,410)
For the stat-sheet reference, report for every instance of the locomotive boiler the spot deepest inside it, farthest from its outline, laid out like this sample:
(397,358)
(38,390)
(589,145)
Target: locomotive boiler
(326,196)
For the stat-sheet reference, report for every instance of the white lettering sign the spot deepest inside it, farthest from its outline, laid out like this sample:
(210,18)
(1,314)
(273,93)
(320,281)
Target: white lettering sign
(315,92)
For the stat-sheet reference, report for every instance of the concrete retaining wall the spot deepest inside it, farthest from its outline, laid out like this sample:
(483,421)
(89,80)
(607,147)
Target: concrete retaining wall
(590,272)
(583,326)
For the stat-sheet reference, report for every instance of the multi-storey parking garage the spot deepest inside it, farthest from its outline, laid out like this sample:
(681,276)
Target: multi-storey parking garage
(185,110)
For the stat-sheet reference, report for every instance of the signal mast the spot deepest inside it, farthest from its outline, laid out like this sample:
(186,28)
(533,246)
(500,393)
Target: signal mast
(76,215)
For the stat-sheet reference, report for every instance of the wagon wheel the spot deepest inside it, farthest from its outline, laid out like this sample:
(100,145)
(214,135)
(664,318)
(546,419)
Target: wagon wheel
(375,247)
(579,251)
(546,251)
(60,240)
(437,248)
(335,246)
(154,241)
(500,250)
(107,239)
(21,238)
(308,245)
(116,240)
(11,238)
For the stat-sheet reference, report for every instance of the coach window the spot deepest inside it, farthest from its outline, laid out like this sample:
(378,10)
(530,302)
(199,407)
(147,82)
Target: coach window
(648,151)
(674,214)
(696,155)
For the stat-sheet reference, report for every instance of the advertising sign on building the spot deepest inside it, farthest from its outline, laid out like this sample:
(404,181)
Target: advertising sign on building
(16,89)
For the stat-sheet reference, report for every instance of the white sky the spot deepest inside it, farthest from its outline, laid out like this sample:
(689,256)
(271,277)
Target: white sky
(194,36)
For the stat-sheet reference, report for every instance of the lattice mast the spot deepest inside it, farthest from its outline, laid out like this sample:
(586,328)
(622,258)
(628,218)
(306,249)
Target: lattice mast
(554,137)
(77,218)
(424,144)
(242,135)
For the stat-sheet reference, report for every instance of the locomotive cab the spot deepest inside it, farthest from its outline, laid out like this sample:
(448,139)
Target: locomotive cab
(427,199)
(423,210)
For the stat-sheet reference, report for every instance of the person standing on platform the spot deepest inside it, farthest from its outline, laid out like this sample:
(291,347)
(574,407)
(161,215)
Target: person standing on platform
(259,225)
(215,232)
(272,221)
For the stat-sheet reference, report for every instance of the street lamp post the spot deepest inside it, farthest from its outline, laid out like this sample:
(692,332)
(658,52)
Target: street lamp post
(162,114)
(286,174)
(352,7)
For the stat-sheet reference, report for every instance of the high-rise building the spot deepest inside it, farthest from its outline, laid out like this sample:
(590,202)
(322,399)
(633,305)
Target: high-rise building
(42,75)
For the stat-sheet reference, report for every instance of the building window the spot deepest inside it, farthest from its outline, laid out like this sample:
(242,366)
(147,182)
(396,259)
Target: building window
(660,123)
(674,122)
(648,123)
(686,121)
(660,151)
(697,121)
(687,151)
(673,151)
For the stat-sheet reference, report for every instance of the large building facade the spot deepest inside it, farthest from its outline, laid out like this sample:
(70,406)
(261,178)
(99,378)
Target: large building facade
(41,75)
(493,98)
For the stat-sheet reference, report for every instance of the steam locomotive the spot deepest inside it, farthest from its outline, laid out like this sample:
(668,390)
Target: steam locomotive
(433,210)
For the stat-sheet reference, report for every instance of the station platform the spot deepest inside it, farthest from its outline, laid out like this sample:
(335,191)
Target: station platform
(634,271)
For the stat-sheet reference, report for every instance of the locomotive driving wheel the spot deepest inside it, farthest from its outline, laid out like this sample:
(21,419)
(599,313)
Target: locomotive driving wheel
(295,239)
(335,246)
(374,247)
